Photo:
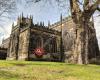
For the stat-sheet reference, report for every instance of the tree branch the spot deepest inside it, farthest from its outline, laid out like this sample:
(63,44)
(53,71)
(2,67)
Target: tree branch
(86,4)
(80,2)
(93,7)
(75,10)
(7,8)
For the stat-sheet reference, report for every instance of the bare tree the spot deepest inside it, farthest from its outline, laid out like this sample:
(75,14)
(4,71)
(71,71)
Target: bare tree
(81,18)
(7,7)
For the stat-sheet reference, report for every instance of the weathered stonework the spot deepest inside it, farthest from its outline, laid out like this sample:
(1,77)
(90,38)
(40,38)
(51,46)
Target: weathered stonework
(58,41)
(26,37)
(69,37)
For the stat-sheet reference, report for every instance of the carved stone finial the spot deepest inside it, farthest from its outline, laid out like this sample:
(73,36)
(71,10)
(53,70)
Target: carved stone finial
(22,14)
(13,24)
(43,23)
(30,17)
(37,23)
(18,19)
(48,23)
(61,17)
(40,23)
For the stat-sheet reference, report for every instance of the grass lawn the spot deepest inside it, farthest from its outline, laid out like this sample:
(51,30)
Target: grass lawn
(24,70)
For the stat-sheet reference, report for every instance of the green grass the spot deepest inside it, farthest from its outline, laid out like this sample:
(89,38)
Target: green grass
(24,70)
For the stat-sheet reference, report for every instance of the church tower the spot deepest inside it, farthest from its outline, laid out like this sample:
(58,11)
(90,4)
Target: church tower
(19,39)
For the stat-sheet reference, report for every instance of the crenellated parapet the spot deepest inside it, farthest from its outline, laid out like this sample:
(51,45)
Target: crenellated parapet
(24,23)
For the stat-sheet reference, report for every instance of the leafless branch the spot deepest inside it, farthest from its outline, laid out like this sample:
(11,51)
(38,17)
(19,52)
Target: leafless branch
(94,7)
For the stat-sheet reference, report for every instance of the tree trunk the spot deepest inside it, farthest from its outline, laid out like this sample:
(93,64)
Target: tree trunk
(79,45)
(82,21)
(81,42)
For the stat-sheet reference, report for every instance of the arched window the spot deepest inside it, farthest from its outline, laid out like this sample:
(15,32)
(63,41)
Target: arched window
(39,42)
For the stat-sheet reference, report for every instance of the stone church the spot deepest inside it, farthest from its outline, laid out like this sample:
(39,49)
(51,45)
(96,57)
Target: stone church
(55,42)
(29,41)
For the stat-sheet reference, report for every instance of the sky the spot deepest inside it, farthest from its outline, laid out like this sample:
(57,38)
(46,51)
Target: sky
(49,11)
(40,12)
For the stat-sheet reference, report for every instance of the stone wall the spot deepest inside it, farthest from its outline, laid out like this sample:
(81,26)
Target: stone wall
(23,45)
(13,45)
(20,39)
(69,36)
(5,43)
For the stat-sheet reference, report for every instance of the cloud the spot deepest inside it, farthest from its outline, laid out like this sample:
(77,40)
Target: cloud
(5,31)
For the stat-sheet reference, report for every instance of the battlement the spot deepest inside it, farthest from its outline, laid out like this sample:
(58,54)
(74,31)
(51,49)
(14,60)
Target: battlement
(62,21)
(23,22)
(27,22)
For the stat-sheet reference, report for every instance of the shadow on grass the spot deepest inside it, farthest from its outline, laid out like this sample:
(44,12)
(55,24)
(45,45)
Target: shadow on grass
(30,64)
(42,63)
(8,75)
(22,64)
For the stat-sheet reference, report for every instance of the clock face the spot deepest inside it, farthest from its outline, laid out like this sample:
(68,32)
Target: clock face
(39,52)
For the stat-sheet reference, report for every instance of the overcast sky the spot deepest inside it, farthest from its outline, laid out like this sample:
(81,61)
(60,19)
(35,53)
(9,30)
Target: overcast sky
(41,12)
